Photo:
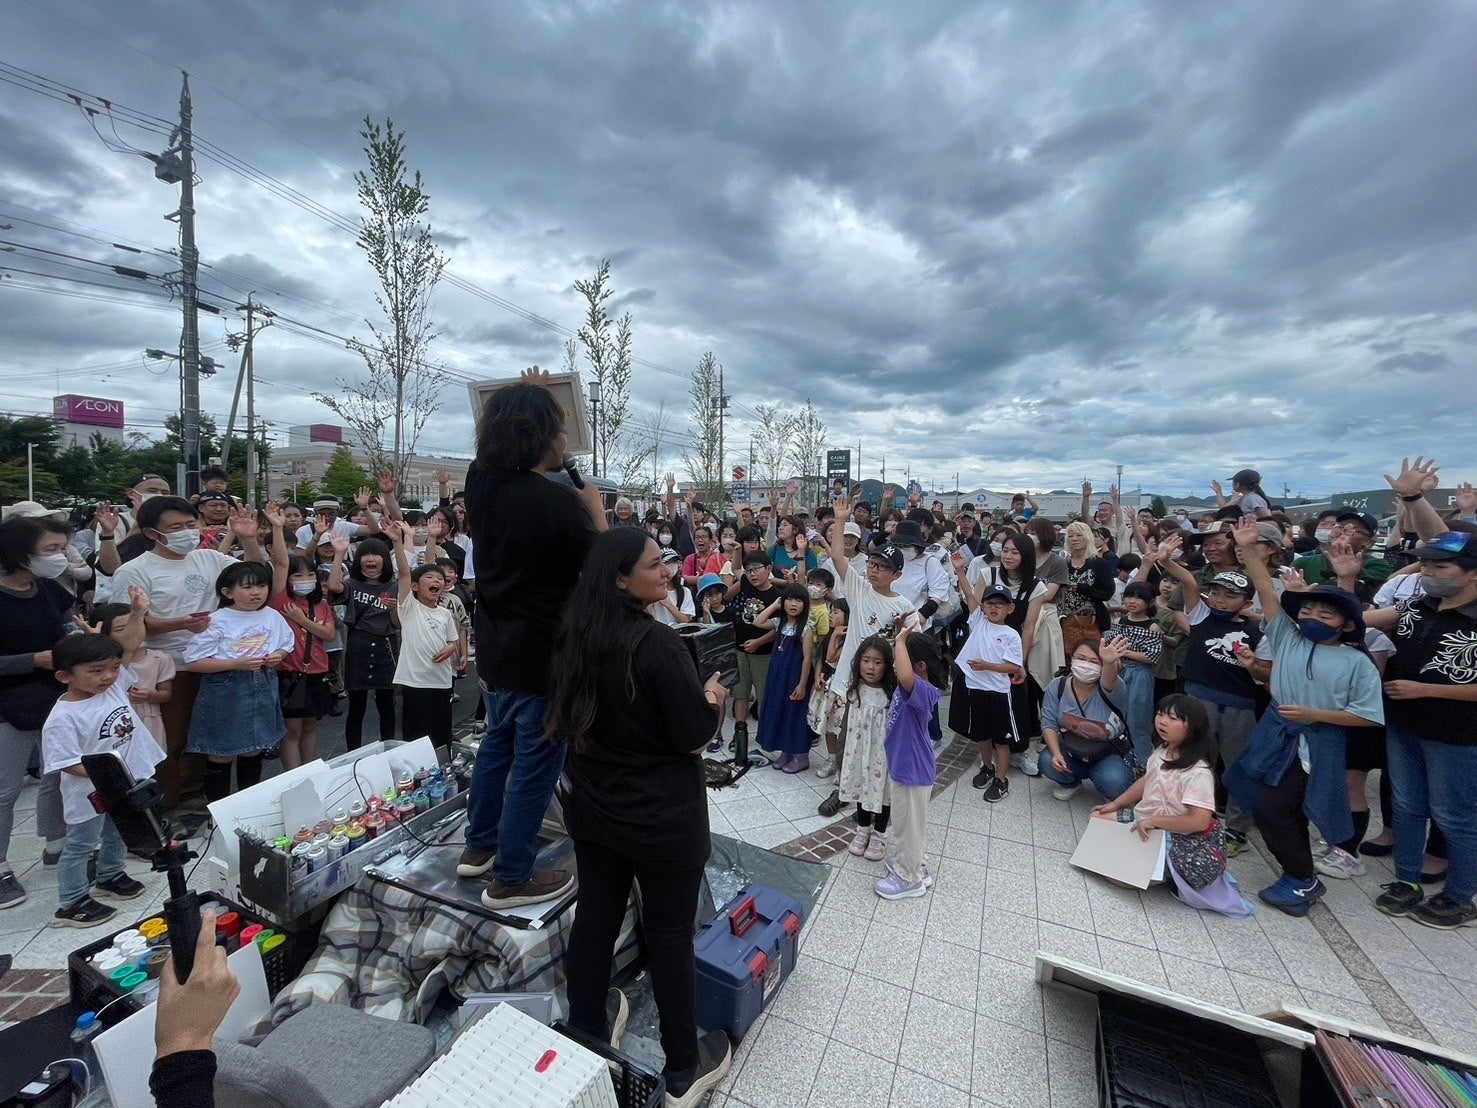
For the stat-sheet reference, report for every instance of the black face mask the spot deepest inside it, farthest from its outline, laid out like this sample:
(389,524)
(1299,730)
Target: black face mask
(1223,617)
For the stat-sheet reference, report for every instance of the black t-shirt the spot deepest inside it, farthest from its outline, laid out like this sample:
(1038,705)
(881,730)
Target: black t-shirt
(1211,666)
(636,781)
(368,604)
(32,624)
(745,608)
(530,537)
(1434,647)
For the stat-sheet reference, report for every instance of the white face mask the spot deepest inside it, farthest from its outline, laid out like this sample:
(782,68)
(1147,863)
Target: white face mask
(996,549)
(182,542)
(1323,535)
(665,538)
(303,588)
(48,565)
(1086,672)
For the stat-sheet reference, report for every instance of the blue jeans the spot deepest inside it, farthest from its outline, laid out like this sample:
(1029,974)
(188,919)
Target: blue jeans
(1434,781)
(1109,775)
(1138,695)
(82,839)
(512,783)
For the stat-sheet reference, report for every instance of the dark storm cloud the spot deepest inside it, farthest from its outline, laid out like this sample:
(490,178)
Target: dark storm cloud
(1097,234)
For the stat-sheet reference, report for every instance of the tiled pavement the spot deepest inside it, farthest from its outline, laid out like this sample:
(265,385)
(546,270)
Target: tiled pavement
(931,1001)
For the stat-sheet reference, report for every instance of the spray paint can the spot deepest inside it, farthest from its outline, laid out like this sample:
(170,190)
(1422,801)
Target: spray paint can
(317,857)
(356,809)
(356,836)
(300,856)
(336,847)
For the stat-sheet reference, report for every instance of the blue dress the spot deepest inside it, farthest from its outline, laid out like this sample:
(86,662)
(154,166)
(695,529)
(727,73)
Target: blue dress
(782,727)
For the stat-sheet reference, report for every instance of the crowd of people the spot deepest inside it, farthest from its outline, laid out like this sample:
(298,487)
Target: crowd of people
(197,637)
(1204,675)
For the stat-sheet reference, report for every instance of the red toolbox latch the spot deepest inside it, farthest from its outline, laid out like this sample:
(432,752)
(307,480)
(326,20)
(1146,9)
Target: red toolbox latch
(791,925)
(758,966)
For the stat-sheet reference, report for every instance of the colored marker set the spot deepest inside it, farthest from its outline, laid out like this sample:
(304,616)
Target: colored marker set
(133,962)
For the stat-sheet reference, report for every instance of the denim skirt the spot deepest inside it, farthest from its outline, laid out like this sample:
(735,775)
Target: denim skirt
(237,712)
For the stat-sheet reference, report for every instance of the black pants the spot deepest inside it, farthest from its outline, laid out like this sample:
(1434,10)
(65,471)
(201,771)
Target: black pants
(1280,819)
(384,704)
(878,821)
(668,908)
(425,712)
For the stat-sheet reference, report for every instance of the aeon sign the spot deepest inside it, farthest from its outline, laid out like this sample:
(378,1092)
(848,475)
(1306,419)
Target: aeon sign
(92,411)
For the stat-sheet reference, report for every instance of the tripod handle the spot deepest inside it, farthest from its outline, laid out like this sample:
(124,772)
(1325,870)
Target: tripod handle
(182,913)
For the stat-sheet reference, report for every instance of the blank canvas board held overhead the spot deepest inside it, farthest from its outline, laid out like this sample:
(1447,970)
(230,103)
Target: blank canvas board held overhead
(567,390)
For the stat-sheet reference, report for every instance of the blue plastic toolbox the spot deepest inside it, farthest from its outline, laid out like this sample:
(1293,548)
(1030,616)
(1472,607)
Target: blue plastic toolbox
(744,954)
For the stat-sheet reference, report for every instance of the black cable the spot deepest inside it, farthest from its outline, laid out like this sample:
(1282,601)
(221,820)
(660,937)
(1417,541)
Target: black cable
(405,824)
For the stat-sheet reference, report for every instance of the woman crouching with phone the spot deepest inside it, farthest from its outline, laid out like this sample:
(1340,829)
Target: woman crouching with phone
(627,698)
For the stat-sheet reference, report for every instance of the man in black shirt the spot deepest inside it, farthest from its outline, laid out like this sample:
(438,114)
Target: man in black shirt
(1431,725)
(755,593)
(530,536)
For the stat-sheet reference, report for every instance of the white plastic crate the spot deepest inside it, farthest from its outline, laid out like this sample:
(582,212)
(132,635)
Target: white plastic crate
(496,1061)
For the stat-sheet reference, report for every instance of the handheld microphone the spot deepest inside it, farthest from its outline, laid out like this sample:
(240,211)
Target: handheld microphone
(574,474)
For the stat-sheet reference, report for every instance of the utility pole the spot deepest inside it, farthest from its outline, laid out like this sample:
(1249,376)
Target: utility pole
(177,166)
(246,374)
(595,427)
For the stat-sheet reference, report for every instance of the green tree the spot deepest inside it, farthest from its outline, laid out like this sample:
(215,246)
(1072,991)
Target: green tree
(402,390)
(41,432)
(807,437)
(1157,507)
(344,477)
(703,458)
(619,454)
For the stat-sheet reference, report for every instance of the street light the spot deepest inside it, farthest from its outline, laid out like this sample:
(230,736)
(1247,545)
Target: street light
(595,428)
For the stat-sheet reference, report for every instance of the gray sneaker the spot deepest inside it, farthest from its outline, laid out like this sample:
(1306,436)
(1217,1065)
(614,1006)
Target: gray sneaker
(542,885)
(12,895)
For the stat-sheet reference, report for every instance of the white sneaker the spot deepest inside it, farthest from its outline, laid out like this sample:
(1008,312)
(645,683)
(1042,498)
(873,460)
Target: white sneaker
(891,863)
(1320,846)
(1339,863)
(1066,792)
(1026,764)
(827,767)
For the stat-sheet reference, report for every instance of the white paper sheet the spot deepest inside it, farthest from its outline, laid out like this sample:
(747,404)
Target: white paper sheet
(1115,851)
(126,1050)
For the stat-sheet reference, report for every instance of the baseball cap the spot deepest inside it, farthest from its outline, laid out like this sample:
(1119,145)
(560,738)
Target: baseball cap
(889,554)
(1233,582)
(213,496)
(670,555)
(1453,546)
(853,529)
(997,592)
(1246,477)
(1364,519)
(1269,533)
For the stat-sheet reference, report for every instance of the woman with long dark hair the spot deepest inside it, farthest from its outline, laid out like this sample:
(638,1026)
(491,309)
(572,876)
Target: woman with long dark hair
(628,703)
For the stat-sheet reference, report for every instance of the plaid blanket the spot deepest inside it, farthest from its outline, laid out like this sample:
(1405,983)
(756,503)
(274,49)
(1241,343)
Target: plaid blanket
(391,952)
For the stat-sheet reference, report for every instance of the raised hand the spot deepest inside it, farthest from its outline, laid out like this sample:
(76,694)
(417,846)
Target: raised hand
(1168,546)
(443,477)
(340,545)
(362,496)
(1415,480)
(1113,494)
(274,515)
(671,482)
(1466,499)
(243,523)
(1294,581)
(436,526)
(1215,487)
(1245,532)
(1342,558)
(842,507)
(138,602)
(774,498)
(791,488)
(386,482)
(533,375)
(1086,488)
(801,542)
(108,518)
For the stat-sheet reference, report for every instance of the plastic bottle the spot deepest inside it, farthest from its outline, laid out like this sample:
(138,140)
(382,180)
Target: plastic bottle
(87,1027)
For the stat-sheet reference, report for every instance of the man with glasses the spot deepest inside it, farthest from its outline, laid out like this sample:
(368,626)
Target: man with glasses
(1358,529)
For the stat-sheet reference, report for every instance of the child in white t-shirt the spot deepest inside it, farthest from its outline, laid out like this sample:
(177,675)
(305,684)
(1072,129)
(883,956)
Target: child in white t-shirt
(94,716)
(429,647)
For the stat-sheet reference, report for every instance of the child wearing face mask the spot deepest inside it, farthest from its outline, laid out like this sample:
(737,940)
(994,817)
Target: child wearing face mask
(1323,682)
(297,593)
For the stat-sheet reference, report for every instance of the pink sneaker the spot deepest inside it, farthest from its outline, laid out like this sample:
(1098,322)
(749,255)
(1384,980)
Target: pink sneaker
(876,848)
(858,844)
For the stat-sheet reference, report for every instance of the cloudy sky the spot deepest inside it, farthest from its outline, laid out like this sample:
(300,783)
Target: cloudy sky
(1022,242)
